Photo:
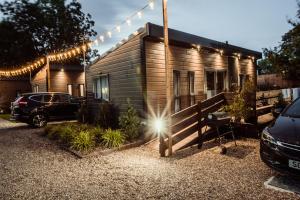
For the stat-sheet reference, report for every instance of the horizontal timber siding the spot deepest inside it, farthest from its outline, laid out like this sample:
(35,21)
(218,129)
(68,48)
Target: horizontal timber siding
(124,67)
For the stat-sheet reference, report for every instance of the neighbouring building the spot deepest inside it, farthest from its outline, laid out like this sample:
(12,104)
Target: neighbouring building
(275,81)
(63,78)
(10,88)
(135,70)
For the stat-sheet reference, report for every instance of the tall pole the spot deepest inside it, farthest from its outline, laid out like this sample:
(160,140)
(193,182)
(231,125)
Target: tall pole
(168,79)
(48,74)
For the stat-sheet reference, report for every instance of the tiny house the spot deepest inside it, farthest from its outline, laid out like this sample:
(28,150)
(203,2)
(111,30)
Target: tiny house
(63,78)
(135,70)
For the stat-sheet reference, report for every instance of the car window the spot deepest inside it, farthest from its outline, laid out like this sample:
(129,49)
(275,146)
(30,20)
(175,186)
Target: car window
(37,98)
(293,110)
(65,98)
(51,98)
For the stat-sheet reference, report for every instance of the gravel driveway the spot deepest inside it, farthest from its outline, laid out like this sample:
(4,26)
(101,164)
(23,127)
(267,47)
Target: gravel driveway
(31,167)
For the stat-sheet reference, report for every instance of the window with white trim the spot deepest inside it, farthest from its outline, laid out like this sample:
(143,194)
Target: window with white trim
(36,88)
(191,76)
(70,89)
(101,88)
(176,89)
(81,90)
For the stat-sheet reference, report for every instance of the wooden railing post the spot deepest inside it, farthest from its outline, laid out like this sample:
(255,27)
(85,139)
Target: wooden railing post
(200,142)
(162,146)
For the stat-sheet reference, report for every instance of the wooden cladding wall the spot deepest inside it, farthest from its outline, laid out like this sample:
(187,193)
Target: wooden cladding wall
(9,90)
(182,60)
(60,79)
(40,80)
(124,68)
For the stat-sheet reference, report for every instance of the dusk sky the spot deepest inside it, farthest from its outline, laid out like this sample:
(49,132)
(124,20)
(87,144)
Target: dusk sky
(253,24)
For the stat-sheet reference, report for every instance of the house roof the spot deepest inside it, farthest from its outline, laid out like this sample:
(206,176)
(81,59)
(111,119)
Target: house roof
(156,31)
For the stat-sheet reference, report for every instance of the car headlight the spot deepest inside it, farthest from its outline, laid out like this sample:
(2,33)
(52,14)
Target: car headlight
(266,137)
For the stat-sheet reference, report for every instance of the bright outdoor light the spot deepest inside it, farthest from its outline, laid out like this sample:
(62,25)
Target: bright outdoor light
(158,125)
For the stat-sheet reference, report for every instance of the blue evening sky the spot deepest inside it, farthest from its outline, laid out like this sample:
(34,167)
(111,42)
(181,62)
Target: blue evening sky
(253,24)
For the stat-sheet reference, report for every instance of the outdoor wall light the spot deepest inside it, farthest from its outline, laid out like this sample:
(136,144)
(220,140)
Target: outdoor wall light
(159,125)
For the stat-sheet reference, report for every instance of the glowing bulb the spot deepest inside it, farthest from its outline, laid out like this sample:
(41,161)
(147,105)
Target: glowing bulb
(118,28)
(151,4)
(139,14)
(109,34)
(128,21)
(158,125)
(102,38)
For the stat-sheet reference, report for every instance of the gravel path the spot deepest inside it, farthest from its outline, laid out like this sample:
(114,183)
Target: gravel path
(31,167)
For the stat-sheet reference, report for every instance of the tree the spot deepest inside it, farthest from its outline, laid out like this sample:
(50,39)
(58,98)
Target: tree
(44,26)
(285,59)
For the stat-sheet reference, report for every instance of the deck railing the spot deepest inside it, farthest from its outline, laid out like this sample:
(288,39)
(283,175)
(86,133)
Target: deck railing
(192,119)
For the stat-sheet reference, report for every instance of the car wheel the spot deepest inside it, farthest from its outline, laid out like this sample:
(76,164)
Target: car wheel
(39,120)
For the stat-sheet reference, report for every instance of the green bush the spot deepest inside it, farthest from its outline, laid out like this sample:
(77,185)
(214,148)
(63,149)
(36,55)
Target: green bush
(67,134)
(84,141)
(97,133)
(112,138)
(130,122)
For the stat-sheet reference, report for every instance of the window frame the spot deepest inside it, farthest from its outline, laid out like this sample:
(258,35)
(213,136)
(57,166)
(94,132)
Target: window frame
(79,90)
(99,96)
(176,97)
(71,89)
(191,87)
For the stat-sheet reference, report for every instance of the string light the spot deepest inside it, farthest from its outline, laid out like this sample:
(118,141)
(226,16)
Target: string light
(118,29)
(109,34)
(139,14)
(128,21)
(73,52)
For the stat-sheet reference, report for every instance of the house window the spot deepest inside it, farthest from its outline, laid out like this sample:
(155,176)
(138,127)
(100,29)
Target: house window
(36,88)
(81,90)
(101,88)
(176,87)
(191,76)
(70,89)
(215,82)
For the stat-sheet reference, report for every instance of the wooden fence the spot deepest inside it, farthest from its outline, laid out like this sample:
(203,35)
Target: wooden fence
(191,120)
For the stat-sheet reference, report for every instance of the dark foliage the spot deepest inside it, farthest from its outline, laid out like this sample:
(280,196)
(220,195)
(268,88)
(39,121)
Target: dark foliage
(34,28)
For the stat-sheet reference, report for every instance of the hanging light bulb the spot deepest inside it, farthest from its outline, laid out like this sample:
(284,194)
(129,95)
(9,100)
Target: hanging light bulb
(96,42)
(118,28)
(102,38)
(128,21)
(109,34)
(151,4)
(139,14)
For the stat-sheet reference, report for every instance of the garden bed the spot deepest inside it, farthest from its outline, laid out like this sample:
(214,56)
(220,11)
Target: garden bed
(85,140)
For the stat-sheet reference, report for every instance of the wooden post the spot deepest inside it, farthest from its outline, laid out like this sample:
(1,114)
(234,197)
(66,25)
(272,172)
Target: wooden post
(48,74)
(168,79)
(200,142)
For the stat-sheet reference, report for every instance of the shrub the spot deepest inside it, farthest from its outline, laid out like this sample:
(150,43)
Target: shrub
(97,134)
(238,109)
(67,134)
(112,138)
(130,122)
(84,141)
(107,116)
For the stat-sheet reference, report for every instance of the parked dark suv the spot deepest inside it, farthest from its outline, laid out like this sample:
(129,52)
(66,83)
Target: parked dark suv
(280,142)
(37,109)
